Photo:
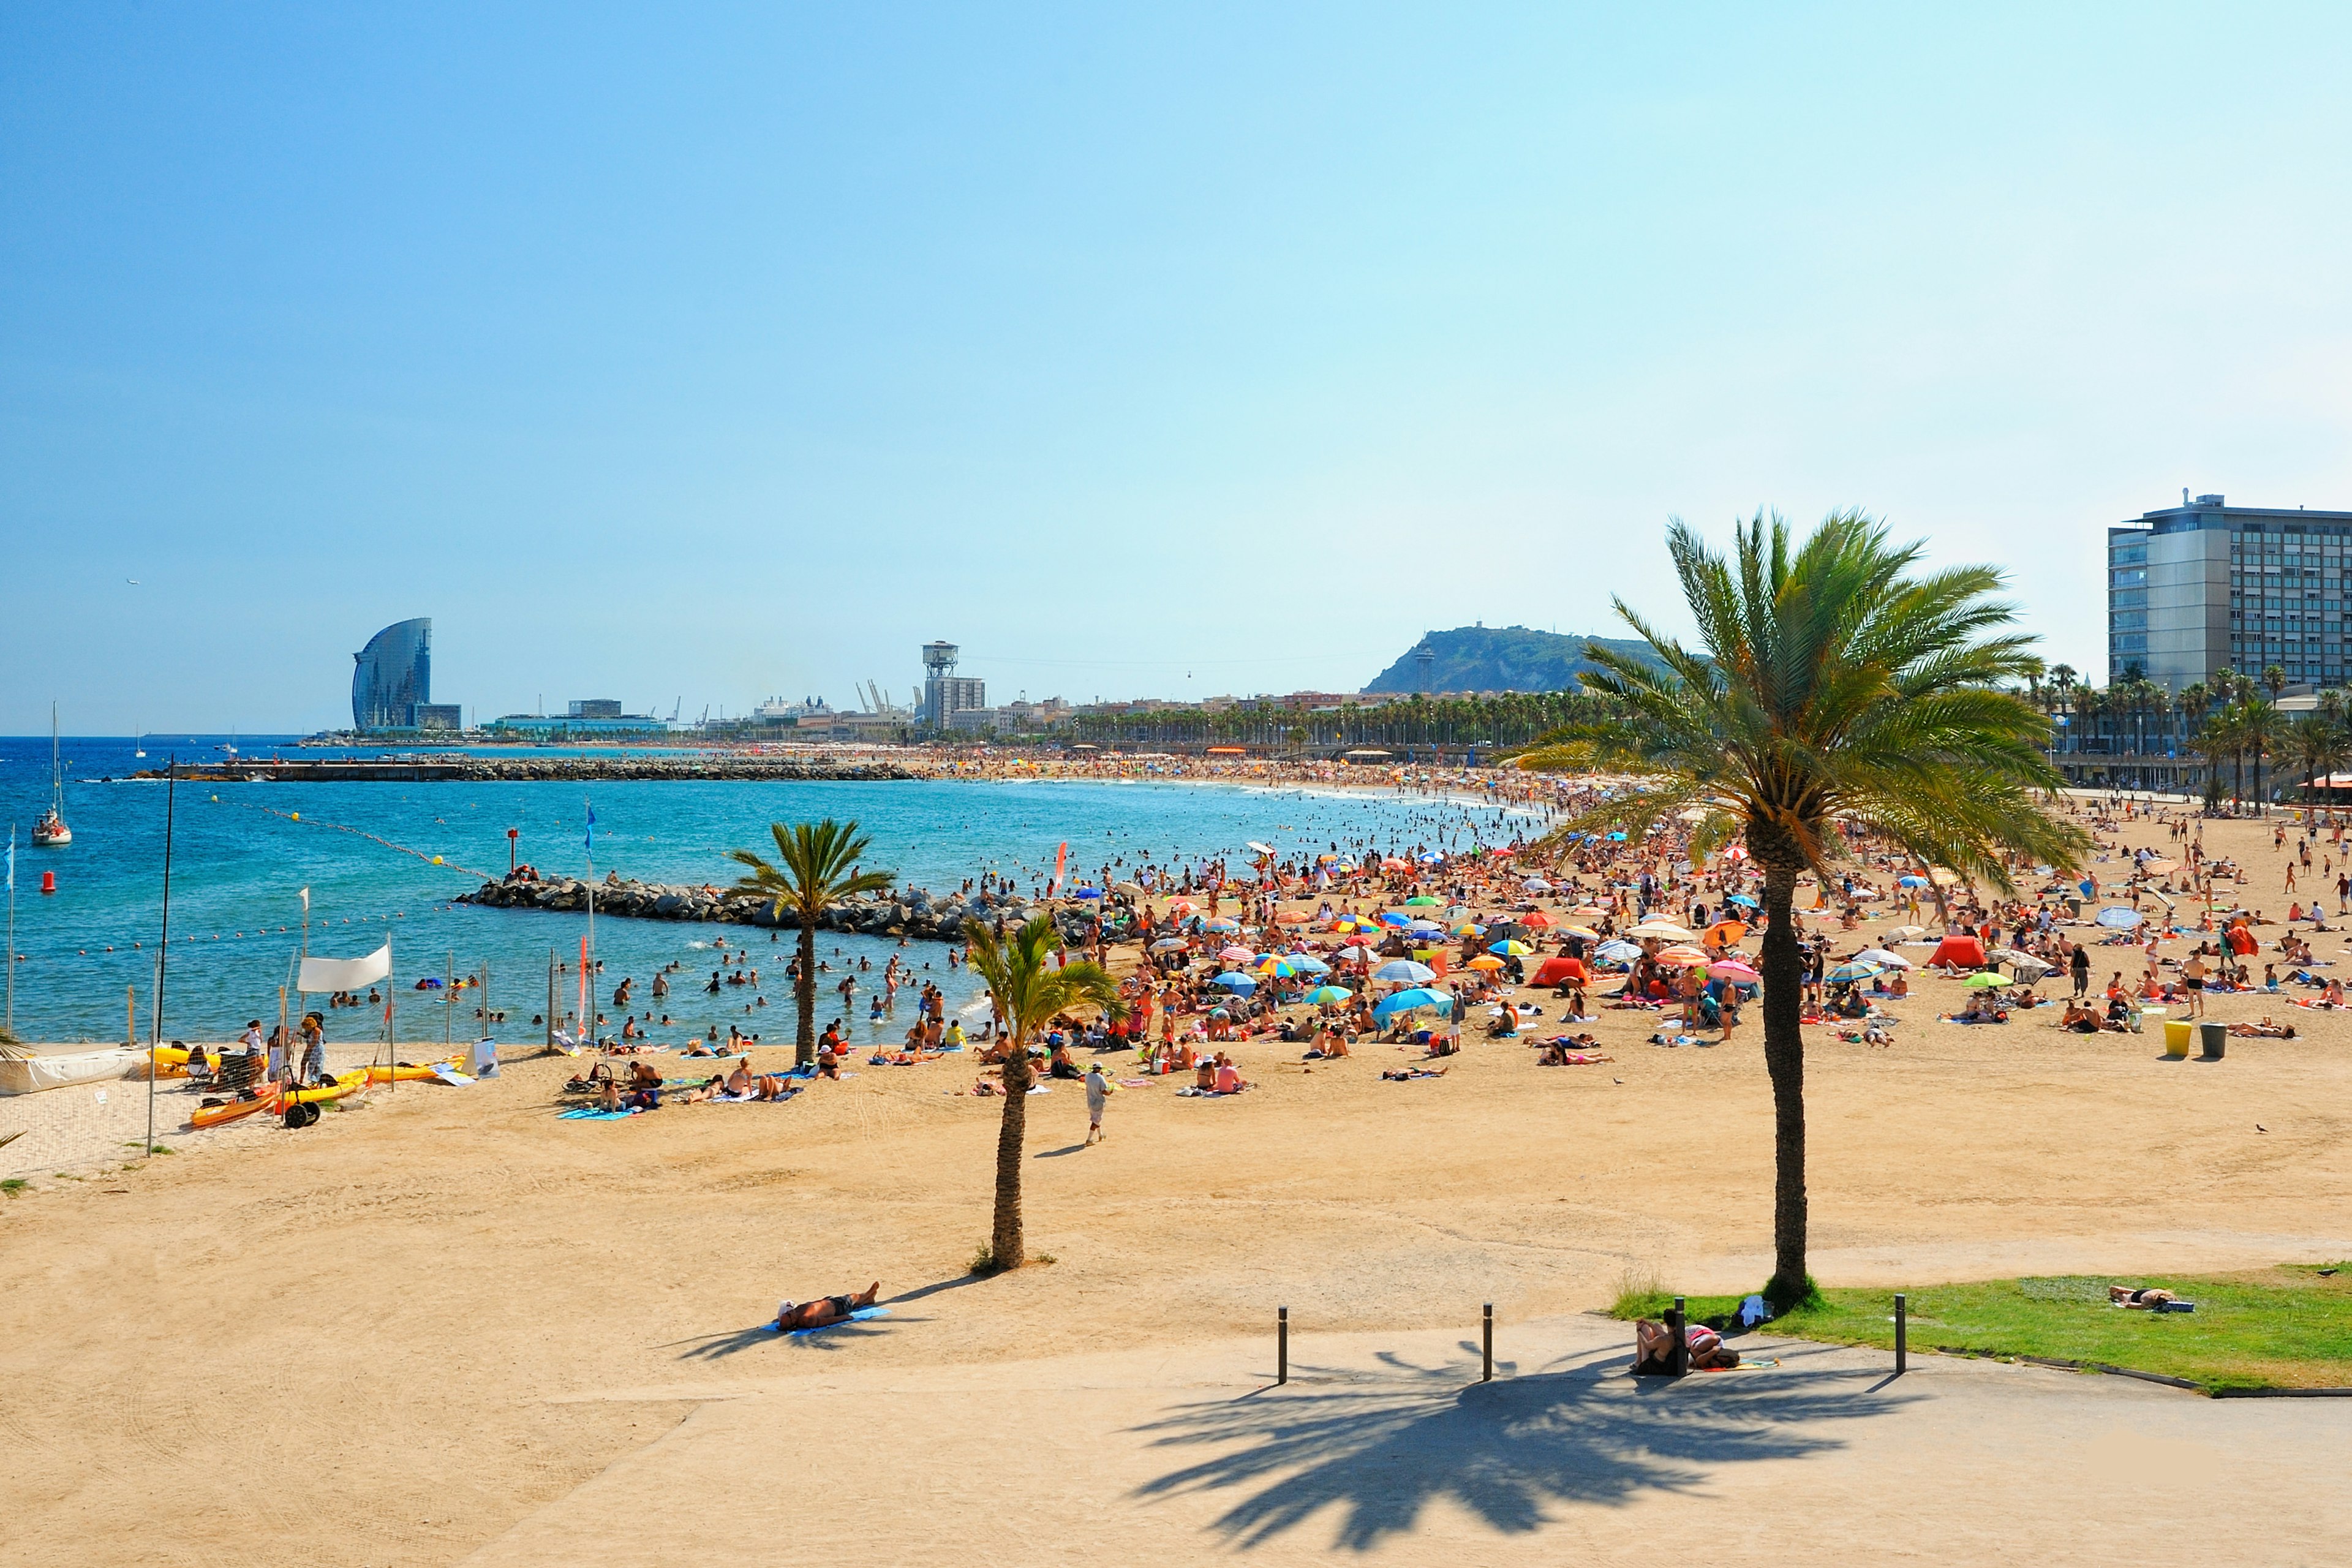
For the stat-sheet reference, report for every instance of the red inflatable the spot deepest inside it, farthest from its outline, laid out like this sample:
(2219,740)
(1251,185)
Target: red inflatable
(1958,953)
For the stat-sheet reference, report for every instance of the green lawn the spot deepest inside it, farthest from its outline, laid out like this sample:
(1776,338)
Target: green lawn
(2278,1328)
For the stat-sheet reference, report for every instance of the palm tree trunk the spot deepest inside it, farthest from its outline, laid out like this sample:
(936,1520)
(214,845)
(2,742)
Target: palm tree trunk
(1783,973)
(804,993)
(1004,1239)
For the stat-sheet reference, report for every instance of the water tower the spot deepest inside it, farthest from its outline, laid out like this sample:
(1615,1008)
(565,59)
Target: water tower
(944,694)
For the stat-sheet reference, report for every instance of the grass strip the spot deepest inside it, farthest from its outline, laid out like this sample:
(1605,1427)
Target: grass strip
(2284,1327)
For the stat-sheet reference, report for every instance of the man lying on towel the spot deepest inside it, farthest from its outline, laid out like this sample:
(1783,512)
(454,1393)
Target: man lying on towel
(824,1311)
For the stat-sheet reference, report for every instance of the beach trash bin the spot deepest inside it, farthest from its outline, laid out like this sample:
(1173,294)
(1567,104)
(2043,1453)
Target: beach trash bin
(2216,1040)
(2177,1033)
(2074,908)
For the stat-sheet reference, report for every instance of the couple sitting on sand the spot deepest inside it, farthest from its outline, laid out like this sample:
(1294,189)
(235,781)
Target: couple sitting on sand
(824,1311)
(1653,1349)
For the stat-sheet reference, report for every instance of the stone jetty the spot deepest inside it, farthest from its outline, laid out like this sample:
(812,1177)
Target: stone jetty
(909,912)
(426,770)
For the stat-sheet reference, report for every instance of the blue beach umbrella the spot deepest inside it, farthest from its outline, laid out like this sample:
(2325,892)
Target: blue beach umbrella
(1404,968)
(1742,899)
(1235,982)
(2114,917)
(1085,892)
(1410,1001)
(1307,964)
(1847,973)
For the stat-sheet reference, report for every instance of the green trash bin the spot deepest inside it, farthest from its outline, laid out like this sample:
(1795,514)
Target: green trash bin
(2215,1038)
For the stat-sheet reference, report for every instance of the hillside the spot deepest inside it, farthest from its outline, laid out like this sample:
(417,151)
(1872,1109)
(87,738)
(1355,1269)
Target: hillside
(1497,658)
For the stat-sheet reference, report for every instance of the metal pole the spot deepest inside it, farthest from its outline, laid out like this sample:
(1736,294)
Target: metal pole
(163,951)
(1282,1344)
(551,998)
(1679,1354)
(448,996)
(10,1025)
(1486,1371)
(1902,1324)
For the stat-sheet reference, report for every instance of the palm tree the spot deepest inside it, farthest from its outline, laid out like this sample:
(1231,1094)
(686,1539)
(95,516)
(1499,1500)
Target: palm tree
(2261,724)
(1029,993)
(2274,678)
(2318,746)
(819,868)
(2212,741)
(1831,688)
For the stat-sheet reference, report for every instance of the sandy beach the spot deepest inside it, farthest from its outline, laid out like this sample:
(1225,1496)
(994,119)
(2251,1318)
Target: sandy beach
(436,1315)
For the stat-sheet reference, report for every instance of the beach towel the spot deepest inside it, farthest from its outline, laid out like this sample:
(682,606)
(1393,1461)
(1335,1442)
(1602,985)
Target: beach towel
(592,1114)
(862,1314)
(448,1074)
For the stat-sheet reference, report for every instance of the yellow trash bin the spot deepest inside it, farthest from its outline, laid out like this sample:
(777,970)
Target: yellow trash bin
(2177,1032)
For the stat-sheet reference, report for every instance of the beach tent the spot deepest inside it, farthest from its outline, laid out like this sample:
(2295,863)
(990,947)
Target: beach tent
(24,1070)
(1960,953)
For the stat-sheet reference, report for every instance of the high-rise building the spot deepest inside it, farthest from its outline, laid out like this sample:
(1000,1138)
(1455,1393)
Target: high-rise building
(394,676)
(945,693)
(2204,586)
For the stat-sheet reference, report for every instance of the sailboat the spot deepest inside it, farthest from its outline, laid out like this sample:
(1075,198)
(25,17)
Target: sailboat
(50,832)
(138,745)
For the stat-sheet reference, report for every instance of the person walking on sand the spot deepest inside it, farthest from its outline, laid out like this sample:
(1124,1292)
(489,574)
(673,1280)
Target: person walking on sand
(1098,1096)
(2080,965)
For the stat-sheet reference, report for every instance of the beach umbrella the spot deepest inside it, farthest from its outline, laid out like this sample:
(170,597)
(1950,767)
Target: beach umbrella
(1404,968)
(1261,849)
(1484,961)
(1184,906)
(1469,928)
(1236,956)
(1219,1012)
(1664,929)
(1280,968)
(1396,918)
(1170,944)
(1537,919)
(1421,901)
(1234,981)
(1353,955)
(1847,973)
(1681,957)
(1510,949)
(1732,969)
(1221,924)
(1325,995)
(1907,933)
(1618,950)
(1130,888)
(1307,964)
(1983,981)
(1743,901)
(1508,929)
(1085,892)
(1723,933)
(1412,1001)
(1912,882)
(1536,885)
(1883,959)
(1433,859)
(2028,967)
(1427,928)
(1585,932)
(1616,838)
(2114,917)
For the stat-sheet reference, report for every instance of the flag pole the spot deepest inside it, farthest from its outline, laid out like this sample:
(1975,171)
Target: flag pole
(10,1026)
(588,958)
(164,951)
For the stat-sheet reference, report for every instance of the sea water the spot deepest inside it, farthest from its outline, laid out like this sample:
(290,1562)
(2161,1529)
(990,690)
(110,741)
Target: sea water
(366,852)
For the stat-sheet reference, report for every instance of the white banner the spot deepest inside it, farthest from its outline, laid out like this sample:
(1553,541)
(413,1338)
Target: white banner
(346,973)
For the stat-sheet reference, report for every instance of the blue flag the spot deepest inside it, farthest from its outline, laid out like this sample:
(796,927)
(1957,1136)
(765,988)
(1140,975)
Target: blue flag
(591,840)
(12,857)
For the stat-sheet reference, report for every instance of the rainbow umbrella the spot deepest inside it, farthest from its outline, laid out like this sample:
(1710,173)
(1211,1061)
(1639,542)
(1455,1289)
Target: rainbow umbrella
(1510,949)
(1323,995)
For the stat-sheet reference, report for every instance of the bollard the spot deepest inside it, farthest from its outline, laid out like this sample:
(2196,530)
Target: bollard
(1902,1349)
(1282,1344)
(1486,1371)
(1679,1362)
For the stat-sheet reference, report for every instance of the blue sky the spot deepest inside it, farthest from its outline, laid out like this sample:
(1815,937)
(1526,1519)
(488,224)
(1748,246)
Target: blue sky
(704,352)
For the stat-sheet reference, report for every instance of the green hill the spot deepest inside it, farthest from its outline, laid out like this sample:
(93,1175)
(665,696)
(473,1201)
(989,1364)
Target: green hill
(1498,659)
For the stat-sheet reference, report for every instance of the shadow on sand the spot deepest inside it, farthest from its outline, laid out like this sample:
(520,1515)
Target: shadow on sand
(1379,1449)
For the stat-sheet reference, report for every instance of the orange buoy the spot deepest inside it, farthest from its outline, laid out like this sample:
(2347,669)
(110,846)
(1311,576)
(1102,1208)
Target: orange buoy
(48,882)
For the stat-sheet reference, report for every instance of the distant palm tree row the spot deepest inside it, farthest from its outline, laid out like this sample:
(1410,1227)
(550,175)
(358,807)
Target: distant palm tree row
(1491,719)
(2233,718)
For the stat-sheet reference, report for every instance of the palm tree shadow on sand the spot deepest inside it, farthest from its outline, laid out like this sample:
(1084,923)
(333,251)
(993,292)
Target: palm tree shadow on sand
(1380,1452)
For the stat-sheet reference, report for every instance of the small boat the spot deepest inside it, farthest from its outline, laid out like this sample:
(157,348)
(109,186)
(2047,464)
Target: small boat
(49,831)
(138,745)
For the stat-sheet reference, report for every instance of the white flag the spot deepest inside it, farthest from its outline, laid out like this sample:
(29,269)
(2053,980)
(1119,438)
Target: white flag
(306,901)
(346,973)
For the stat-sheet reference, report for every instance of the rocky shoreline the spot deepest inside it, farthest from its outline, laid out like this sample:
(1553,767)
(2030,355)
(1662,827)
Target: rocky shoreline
(909,912)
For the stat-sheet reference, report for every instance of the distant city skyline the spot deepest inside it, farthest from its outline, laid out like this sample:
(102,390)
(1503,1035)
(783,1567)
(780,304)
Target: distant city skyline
(690,358)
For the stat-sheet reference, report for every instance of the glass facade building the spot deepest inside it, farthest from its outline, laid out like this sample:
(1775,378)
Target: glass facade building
(2205,587)
(394,678)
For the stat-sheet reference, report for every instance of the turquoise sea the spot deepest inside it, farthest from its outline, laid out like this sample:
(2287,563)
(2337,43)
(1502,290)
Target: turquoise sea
(239,864)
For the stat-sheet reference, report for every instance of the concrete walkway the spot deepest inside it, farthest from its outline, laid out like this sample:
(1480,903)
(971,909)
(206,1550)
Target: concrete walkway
(1387,1449)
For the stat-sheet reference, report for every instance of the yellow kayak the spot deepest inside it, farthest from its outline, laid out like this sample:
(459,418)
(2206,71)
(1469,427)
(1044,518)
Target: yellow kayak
(404,1073)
